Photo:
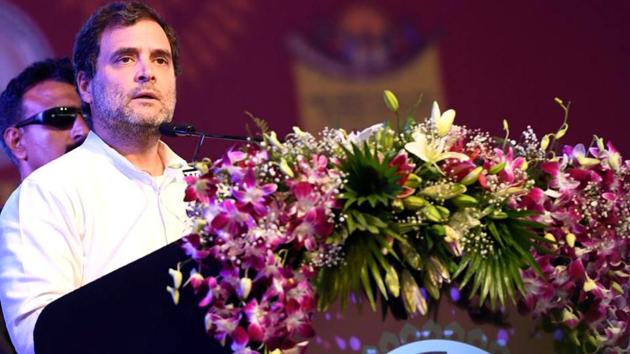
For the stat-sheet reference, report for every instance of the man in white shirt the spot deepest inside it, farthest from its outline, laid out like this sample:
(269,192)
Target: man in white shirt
(40,120)
(114,199)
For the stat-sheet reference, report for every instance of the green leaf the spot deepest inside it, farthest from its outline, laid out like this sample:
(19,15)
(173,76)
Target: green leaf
(376,275)
(373,220)
(495,234)
(350,222)
(362,223)
(498,280)
(367,288)
(487,281)
(478,277)
(462,265)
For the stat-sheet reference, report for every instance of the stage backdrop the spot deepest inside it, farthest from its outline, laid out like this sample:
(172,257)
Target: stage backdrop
(317,62)
(324,62)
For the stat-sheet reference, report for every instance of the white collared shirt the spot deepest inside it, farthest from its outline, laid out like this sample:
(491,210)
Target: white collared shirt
(78,218)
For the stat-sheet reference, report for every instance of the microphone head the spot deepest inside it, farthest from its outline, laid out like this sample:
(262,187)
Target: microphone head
(173,130)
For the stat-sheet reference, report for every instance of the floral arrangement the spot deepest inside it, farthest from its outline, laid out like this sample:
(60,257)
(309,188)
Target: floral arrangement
(394,214)
(584,289)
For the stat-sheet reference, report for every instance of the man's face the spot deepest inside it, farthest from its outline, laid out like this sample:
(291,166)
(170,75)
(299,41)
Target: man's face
(134,85)
(42,143)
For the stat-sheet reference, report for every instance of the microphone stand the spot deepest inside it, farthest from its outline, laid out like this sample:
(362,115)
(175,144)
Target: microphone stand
(175,130)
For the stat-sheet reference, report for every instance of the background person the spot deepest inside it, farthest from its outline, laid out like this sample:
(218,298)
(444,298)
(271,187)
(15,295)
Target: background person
(34,129)
(31,135)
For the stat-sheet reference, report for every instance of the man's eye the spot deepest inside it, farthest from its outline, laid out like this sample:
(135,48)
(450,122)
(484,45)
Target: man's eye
(161,61)
(124,60)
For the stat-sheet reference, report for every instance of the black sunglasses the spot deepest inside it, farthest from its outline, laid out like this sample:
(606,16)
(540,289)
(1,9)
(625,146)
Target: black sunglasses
(58,117)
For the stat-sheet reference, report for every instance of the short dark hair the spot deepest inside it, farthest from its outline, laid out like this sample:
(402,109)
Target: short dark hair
(11,109)
(87,42)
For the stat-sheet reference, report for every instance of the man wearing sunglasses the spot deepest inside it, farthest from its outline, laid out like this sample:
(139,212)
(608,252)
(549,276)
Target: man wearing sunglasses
(40,115)
(40,120)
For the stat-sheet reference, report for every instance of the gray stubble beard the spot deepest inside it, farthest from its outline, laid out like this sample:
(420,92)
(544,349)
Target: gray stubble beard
(122,122)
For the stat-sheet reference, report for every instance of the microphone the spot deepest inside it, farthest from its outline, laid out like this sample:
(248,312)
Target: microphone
(175,130)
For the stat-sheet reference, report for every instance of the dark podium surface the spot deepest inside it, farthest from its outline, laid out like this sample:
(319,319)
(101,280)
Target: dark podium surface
(127,311)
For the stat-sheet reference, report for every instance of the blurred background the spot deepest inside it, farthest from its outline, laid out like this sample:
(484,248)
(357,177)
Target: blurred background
(317,63)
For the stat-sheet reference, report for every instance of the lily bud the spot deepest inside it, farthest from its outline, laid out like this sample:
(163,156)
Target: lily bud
(273,138)
(587,161)
(444,191)
(413,181)
(497,168)
(452,239)
(432,213)
(544,142)
(284,167)
(414,202)
(515,190)
(437,229)
(411,295)
(397,205)
(472,176)
(498,215)
(392,281)
(444,212)
(464,201)
(390,101)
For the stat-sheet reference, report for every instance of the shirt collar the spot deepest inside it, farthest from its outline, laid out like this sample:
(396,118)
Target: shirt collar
(174,164)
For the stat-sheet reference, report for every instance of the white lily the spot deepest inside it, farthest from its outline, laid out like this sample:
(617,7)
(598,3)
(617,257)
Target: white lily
(432,151)
(443,121)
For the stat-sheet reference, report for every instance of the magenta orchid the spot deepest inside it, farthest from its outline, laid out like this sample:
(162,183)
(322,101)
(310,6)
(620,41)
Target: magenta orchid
(586,277)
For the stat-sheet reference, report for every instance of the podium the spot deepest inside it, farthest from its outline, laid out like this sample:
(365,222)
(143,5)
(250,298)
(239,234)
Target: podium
(127,311)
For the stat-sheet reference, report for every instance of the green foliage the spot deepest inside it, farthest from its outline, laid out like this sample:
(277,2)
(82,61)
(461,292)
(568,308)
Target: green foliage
(496,276)
(369,178)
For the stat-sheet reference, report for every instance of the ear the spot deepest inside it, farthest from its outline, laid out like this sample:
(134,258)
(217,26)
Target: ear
(85,87)
(13,138)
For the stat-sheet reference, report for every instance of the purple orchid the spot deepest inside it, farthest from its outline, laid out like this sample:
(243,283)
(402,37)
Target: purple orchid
(249,195)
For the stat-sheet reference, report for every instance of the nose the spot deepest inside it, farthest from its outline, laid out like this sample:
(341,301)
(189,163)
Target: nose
(79,129)
(145,72)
